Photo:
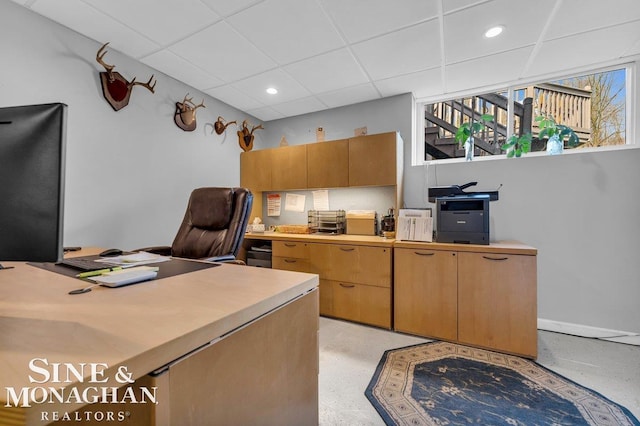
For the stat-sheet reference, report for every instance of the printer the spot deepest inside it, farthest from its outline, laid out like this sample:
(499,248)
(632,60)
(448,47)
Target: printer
(462,217)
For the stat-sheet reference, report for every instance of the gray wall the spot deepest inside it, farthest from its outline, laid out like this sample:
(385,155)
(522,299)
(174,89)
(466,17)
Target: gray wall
(580,210)
(129,173)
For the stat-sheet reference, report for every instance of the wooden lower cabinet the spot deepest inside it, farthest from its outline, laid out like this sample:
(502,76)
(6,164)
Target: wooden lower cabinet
(426,293)
(483,296)
(497,302)
(355,279)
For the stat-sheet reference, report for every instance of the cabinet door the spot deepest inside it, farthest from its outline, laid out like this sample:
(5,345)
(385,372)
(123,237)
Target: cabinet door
(353,264)
(372,160)
(328,164)
(497,306)
(255,170)
(425,293)
(289,168)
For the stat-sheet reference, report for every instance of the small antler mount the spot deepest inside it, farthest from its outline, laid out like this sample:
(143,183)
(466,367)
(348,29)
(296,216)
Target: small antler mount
(185,113)
(245,136)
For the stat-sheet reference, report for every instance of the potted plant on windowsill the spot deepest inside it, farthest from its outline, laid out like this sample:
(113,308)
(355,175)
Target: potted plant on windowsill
(556,133)
(465,133)
(516,145)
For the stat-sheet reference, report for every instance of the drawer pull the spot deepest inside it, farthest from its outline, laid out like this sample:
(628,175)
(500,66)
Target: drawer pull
(347,248)
(495,258)
(347,285)
(421,253)
(290,261)
(290,244)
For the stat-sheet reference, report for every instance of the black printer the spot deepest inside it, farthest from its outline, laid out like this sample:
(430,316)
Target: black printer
(462,217)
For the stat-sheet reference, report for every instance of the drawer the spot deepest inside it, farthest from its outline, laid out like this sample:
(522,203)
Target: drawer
(356,302)
(354,264)
(290,264)
(291,249)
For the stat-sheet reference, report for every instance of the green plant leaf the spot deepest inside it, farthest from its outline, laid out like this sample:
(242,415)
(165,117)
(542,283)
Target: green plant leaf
(486,117)
(510,153)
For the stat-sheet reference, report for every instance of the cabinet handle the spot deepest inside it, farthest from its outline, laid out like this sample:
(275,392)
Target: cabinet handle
(347,285)
(347,248)
(289,244)
(421,253)
(495,258)
(289,261)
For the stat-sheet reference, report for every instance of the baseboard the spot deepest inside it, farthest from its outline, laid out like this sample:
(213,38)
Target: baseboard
(627,337)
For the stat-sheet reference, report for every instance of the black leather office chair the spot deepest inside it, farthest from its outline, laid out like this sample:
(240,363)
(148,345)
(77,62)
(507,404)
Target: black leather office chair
(213,226)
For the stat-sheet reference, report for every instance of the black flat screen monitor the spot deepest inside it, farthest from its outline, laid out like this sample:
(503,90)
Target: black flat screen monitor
(32,169)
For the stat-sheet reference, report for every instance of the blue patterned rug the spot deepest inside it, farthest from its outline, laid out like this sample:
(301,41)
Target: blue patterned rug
(448,384)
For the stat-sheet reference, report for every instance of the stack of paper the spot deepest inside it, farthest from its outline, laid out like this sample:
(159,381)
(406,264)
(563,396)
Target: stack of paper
(415,225)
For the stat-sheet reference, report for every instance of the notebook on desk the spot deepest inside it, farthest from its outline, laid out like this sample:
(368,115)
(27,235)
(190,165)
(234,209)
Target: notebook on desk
(126,276)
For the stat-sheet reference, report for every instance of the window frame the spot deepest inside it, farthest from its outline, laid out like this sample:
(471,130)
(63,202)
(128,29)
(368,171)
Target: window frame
(632,85)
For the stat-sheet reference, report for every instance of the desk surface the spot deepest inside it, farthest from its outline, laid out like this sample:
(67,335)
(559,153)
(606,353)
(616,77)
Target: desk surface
(142,327)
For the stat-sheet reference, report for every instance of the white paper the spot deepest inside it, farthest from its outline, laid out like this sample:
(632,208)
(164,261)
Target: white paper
(273,204)
(415,213)
(294,202)
(415,228)
(321,199)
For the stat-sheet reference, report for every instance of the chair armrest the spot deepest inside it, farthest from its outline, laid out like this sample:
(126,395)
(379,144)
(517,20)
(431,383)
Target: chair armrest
(161,250)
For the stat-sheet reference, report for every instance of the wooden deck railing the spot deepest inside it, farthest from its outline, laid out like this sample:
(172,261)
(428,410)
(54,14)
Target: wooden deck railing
(569,106)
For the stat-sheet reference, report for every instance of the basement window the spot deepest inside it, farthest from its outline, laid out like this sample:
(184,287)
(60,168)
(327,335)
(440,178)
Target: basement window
(594,106)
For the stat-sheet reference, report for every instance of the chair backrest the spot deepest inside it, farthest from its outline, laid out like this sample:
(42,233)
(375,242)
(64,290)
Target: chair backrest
(214,223)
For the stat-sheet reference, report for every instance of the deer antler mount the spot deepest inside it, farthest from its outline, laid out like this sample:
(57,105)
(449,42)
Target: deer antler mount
(220,126)
(185,114)
(245,136)
(115,88)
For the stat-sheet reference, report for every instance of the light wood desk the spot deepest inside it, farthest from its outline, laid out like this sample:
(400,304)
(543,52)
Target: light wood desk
(262,364)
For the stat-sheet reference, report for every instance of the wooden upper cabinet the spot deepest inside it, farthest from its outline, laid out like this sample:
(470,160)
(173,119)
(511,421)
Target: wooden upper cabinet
(373,160)
(255,170)
(289,167)
(328,164)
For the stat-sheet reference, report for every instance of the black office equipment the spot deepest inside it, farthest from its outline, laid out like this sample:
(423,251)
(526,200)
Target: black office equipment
(458,190)
(32,170)
(463,219)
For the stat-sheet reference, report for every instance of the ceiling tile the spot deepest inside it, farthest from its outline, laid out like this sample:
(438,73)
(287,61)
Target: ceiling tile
(330,71)
(265,113)
(234,97)
(362,19)
(221,51)
(455,5)
(584,19)
(300,106)
(349,95)
(176,67)
(96,25)
(422,84)
(287,30)
(256,86)
(163,21)
(229,7)
(585,49)
(466,76)
(464,31)
(402,52)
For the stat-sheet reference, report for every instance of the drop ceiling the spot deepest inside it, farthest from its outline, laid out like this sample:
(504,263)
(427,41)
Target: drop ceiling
(322,54)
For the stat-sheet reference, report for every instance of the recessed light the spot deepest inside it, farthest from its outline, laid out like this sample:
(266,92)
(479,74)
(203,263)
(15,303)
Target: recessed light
(494,31)
(272,90)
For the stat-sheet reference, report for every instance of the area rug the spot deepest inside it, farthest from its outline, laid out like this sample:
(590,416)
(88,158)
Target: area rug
(448,384)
